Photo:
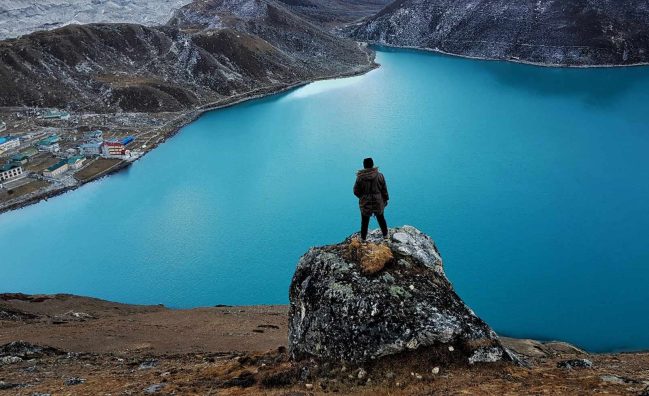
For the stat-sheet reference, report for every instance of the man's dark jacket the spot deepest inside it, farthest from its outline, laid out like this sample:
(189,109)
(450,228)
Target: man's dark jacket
(371,190)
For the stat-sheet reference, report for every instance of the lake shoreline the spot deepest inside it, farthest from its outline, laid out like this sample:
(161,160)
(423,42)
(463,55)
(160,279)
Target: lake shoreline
(24,305)
(184,119)
(190,218)
(515,61)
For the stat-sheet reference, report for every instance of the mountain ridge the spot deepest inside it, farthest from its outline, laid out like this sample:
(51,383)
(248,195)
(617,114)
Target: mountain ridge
(545,32)
(174,67)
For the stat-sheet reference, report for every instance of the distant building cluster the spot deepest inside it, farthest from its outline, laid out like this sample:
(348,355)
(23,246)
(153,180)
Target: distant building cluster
(93,145)
(58,169)
(12,170)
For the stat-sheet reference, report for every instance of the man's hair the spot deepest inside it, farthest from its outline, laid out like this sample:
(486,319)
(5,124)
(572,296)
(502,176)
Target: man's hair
(368,163)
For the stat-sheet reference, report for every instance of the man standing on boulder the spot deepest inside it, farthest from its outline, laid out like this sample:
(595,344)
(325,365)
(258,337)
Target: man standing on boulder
(372,193)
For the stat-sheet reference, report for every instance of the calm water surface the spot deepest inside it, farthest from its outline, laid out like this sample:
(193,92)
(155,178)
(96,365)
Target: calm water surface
(534,182)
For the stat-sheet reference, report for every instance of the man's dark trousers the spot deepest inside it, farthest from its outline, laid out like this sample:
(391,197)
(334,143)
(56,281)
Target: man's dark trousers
(365,223)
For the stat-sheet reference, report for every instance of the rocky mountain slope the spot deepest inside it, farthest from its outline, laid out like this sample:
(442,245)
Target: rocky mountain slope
(210,51)
(333,13)
(553,32)
(357,302)
(20,17)
(308,44)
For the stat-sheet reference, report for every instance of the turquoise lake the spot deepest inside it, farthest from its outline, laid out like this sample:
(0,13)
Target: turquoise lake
(534,183)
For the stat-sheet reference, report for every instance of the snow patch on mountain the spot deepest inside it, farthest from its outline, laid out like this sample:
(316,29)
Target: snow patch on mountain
(20,17)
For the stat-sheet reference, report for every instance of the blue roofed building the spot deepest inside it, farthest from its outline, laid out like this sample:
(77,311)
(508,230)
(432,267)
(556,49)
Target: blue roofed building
(50,143)
(57,169)
(55,115)
(19,159)
(8,143)
(76,162)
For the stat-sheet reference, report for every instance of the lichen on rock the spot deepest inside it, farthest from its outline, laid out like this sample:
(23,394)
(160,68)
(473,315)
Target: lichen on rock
(343,309)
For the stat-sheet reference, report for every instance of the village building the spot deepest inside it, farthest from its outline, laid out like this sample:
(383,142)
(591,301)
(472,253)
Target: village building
(113,149)
(51,148)
(55,115)
(57,169)
(29,152)
(53,138)
(97,134)
(11,172)
(76,162)
(19,159)
(91,148)
(50,144)
(3,126)
(8,143)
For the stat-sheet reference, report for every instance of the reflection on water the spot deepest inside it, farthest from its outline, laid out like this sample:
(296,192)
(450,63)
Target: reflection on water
(324,86)
(598,87)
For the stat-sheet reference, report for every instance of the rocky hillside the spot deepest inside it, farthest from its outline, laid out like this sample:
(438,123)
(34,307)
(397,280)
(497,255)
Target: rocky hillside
(552,32)
(357,302)
(211,51)
(307,44)
(332,13)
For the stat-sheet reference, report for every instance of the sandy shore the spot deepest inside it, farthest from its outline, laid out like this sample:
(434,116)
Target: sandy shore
(100,348)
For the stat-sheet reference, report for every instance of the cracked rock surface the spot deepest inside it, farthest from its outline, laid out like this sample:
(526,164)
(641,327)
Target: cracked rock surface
(338,313)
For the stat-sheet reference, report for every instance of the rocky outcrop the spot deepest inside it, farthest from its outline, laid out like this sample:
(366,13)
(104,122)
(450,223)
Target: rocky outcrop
(552,32)
(20,350)
(339,311)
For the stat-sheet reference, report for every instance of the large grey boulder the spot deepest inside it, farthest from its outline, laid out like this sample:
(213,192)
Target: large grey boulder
(339,312)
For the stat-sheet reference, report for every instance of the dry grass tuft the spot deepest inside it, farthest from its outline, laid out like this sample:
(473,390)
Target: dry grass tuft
(370,256)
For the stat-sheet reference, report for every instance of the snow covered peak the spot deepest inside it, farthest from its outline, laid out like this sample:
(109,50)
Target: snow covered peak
(20,17)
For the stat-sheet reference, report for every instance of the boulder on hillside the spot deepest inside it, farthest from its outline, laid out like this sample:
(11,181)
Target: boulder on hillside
(356,302)
(25,350)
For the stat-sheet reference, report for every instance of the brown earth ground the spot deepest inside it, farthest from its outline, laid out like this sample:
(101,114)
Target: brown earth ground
(96,168)
(118,349)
